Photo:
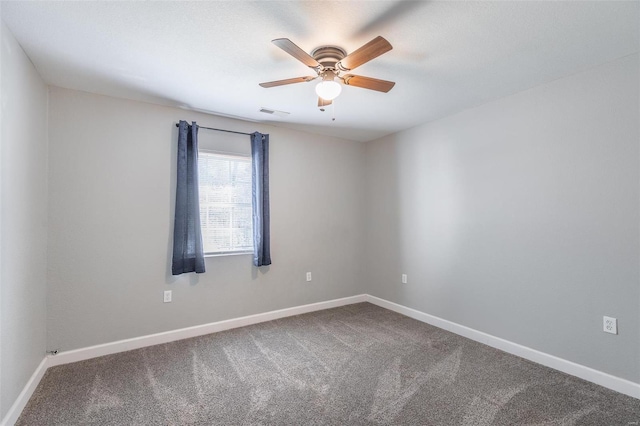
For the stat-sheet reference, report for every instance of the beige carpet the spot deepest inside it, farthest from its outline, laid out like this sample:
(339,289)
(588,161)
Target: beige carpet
(354,365)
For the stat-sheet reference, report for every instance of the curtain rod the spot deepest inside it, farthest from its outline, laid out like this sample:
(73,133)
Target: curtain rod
(219,130)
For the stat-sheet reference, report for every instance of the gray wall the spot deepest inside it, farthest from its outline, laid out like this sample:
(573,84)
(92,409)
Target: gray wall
(519,218)
(23,217)
(112,183)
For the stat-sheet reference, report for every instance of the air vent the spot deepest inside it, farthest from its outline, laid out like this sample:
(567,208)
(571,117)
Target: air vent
(274,112)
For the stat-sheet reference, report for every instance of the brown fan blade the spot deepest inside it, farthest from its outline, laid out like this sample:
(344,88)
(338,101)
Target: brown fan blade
(293,50)
(368,83)
(323,102)
(287,81)
(369,51)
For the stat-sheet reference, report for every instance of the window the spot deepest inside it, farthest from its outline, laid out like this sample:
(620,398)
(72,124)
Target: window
(225,203)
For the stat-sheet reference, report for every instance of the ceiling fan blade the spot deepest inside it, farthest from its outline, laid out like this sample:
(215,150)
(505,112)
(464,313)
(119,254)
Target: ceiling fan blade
(293,50)
(368,83)
(287,81)
(323,102)
(369,51)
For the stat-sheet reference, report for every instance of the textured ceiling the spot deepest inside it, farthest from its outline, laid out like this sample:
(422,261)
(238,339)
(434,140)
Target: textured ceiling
(210,56)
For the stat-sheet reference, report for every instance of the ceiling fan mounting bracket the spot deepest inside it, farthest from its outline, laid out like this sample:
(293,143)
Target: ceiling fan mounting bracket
(339,67)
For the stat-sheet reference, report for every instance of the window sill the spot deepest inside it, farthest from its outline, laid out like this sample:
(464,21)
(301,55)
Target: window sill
(231,253)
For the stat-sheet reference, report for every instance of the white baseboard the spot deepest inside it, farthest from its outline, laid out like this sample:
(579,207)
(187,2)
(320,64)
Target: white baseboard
(598,377)
(198,330)
(14,412)
(603,379)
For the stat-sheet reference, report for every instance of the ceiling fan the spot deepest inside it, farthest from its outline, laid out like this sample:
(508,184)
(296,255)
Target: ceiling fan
(329,62)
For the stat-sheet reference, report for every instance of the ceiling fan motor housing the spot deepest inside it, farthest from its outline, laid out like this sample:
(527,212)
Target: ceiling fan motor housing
(328,56)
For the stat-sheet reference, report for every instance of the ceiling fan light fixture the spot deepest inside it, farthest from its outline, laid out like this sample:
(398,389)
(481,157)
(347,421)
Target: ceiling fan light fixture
(328,89)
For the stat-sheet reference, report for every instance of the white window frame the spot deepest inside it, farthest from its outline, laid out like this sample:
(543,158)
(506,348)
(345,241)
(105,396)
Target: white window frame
(236,156)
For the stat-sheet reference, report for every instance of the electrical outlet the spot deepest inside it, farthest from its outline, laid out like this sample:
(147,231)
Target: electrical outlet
(610,325)
(308,276)
(167,296)
(404,278)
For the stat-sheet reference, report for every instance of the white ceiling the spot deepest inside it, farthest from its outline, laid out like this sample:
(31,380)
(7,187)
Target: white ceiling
(210,56)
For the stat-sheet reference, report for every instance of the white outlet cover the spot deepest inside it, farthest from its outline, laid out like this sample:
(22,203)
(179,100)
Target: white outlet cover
(404,278)
(167,296)
(610,325)
(308,276)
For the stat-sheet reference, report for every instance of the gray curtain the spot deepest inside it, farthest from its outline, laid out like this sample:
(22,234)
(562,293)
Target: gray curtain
(188,255)
(260,193)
